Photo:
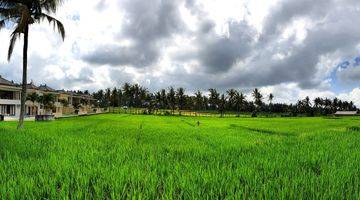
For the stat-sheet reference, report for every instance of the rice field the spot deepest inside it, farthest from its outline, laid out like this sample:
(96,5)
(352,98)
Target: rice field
(118,156)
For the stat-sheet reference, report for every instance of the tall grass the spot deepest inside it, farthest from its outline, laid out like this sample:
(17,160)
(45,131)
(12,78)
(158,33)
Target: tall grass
(150,157)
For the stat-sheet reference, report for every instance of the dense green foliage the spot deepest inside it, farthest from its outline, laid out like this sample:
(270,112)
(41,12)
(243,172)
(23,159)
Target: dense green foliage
(136,96)
(122,156)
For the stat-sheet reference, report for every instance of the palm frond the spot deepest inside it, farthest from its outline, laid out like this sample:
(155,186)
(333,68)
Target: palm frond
(8,12)
(7,15)
(12,3)
(57,24)
(2,24)
(25,19)
(13,39)
(6,3)
(50,5)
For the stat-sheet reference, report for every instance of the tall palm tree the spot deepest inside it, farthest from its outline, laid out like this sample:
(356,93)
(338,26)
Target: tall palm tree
(108,97)
(352,106)
(327,105)
(214,97)
(135,89)
(171,99)
(23,13)
(163,99)
(114,98)
(231,94)
(317,102)
(239,102)
(180,98)
(199,100)
(271,98)
(120,97)
(258,98)
(143,96)
(335,104)
(127,94)
(221,105)
(307,101)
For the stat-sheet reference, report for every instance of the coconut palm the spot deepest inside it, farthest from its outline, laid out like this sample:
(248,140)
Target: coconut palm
(231,94)
(239,102)
(163,99)
(307,101)
(258,98)
(199,100)
(143,97)
(138,92)
(108,97)
(114,98)
(351,106)
(271,98)
(214,97)
(127,94)
(317,102)
(335,104)
(22,14)
(180,98)
(221,105)
(171,99)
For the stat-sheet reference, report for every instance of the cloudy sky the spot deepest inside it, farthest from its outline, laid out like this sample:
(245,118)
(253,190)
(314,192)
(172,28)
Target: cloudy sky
(292,48)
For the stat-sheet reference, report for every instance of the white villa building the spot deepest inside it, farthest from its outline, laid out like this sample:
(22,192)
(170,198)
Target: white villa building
(9,99)
(66,103)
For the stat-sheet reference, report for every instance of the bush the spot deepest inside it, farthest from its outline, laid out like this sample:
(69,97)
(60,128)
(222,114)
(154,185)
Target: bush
(167,113)
(253,114)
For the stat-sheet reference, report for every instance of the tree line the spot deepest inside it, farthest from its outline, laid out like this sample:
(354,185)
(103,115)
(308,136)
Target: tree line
(136,96)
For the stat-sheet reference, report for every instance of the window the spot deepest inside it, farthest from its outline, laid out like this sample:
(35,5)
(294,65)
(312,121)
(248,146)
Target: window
(8,110)
(6,95)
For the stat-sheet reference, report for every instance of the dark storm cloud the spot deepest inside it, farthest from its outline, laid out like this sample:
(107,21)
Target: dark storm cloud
(220,53)
(301,65)
(115,55)
(289,10)
(147,24)
(335,34)
(243,57)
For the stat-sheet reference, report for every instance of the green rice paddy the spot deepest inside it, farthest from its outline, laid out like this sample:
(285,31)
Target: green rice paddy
(157,157)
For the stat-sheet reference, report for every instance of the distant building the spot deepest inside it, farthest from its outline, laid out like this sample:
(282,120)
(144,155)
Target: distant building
(346,113)
(66,103)
(9,99)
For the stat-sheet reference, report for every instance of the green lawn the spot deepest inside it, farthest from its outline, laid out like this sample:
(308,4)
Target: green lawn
(148,157)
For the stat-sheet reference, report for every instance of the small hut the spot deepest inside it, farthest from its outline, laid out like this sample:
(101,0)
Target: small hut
(346,113)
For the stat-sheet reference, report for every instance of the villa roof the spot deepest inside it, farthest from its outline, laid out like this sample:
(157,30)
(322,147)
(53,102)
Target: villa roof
(46,88)
(6,82)
(31,85)
(75,94)
(62,91)
(71,93)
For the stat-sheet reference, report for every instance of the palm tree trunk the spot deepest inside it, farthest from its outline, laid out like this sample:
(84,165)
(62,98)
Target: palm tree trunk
(24,78)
